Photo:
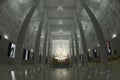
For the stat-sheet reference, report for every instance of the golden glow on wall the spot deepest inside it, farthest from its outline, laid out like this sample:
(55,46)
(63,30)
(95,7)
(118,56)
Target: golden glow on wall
(60,49)
(61,54)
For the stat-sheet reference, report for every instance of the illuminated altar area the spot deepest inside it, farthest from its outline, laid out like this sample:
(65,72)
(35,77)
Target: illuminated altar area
(61,53)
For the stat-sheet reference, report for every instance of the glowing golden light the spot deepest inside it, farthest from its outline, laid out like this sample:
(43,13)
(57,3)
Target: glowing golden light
(61,55)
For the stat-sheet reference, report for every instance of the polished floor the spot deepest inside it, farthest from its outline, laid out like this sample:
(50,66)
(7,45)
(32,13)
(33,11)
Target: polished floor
(93,72)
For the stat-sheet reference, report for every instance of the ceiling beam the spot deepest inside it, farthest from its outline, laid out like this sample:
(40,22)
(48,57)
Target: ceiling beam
(60,37)
(66,17)
(64,7)
(63,25)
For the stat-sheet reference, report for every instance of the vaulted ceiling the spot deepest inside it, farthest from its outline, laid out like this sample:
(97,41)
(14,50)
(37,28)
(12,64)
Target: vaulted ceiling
(60,16)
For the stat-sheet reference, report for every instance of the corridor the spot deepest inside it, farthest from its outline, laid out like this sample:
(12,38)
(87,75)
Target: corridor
(59,39)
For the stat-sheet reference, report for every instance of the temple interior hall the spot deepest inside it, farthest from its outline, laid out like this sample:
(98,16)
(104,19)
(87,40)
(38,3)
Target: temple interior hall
(59,39)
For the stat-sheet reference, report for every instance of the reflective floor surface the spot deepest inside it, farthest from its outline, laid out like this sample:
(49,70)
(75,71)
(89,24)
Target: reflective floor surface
(93,72)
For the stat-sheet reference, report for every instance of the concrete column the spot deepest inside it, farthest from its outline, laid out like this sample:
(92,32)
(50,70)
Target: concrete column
(84,45)
(44,50)
(47,51)
(49,45)
(21,36)
(50,50)
(112,47)
(98,51)
(45,47)
(73,51)
(37,43)
(77,47)
(70,43)
(100,36)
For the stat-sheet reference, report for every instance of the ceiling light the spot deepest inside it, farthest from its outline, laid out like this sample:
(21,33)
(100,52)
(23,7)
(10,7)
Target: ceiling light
(98,0)
(42,37)
(32,50)
(78,36)
(98,45)
(60,8)
(36,29)
(84,28)
(60,31)
(114,35)
(20,1)
(6,36)
(60,22)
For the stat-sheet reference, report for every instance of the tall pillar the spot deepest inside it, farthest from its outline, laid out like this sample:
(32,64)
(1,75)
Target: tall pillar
(112,47)
(50,60)
(99,34)
(49,45)
(84,45)
(44,46)
(71,54)
(37,42)
(77,46)
(21,35)
(73,51)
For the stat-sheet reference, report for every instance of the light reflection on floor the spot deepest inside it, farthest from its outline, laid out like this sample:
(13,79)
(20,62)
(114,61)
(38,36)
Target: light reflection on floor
(79,73)
(61,74)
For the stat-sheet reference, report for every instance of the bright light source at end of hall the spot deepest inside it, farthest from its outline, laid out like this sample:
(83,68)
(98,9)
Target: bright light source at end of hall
(114,35)
(6,36)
